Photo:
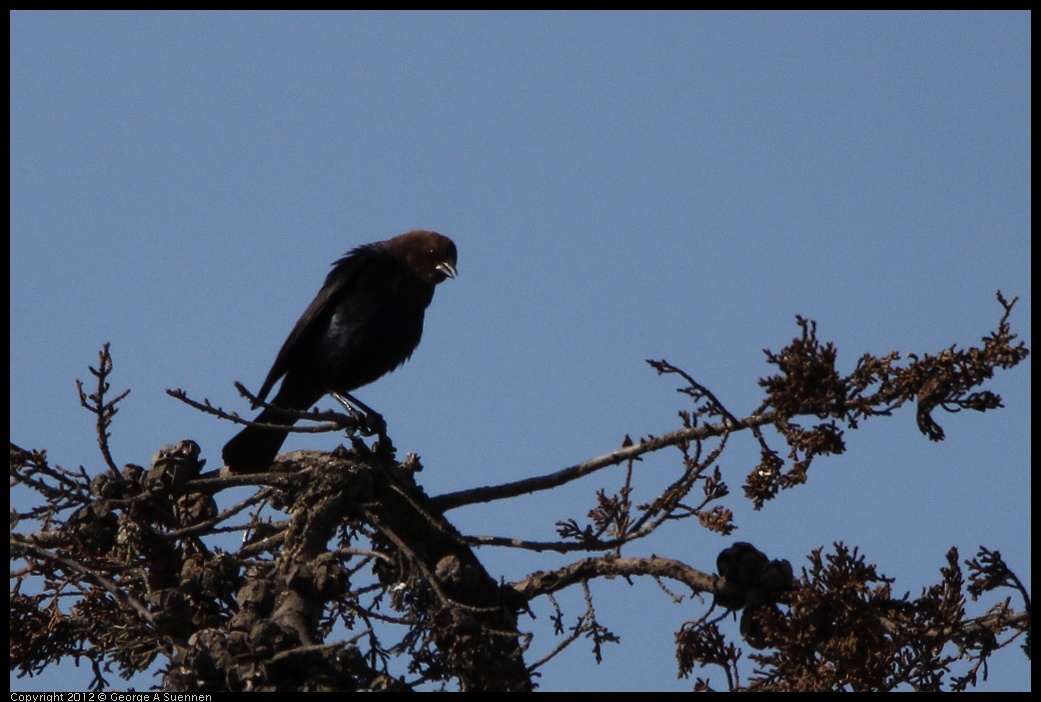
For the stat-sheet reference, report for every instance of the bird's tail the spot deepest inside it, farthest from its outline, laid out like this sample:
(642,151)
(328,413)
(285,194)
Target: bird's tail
(253,449)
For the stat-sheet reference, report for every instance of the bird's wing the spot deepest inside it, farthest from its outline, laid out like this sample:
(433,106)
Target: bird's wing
(347,286)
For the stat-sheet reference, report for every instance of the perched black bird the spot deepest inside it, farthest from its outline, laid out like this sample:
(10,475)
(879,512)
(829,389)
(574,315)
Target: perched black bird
(366,321)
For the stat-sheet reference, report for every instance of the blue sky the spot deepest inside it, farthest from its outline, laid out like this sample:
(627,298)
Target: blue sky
(620,186)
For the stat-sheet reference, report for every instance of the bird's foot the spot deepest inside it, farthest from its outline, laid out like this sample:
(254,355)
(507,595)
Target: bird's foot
(373,424)
(368,422)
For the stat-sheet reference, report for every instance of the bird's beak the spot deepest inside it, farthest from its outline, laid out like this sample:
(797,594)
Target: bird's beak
(446,269)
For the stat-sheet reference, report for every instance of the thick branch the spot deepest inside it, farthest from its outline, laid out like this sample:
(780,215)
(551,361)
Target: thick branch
(547,482)
(546,582)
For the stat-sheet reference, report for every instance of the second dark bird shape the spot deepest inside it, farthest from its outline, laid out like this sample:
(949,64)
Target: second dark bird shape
(366,321)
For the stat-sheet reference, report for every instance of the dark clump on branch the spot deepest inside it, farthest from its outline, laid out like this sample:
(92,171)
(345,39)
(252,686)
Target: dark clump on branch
(751,582)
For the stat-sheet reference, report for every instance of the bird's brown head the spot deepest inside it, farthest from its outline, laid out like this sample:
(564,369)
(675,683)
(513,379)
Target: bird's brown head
(430,256)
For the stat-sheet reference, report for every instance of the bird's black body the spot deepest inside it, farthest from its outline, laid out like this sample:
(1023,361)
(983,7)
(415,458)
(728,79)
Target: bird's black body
(365,321)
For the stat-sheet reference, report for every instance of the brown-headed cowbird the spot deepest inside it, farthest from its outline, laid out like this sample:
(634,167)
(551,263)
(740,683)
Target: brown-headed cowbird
(366,321)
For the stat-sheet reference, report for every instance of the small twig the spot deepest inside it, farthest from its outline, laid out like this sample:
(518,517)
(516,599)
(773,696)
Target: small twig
(695,389)
(96,404)
(208,525)
(331,421)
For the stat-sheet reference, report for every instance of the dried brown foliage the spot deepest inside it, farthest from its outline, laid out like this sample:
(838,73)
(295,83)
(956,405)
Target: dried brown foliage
(338,572)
